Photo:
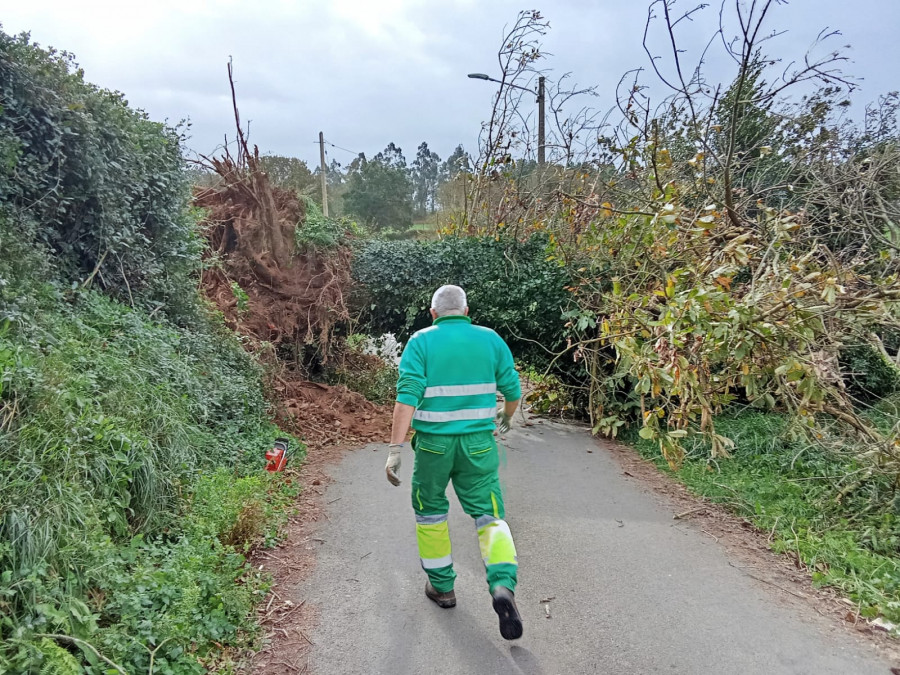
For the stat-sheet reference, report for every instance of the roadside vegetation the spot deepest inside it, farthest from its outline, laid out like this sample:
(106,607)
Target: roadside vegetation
(713,277)
(132,422)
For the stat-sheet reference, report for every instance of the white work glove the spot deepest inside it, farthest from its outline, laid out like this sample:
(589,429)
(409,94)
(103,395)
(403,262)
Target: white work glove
(503,421)
(393,463)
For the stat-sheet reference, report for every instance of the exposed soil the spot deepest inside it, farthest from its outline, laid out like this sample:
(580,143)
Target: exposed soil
(332,420)
(328,416)
(294,298)
(285,301)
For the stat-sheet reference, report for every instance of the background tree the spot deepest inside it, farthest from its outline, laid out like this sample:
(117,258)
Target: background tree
(452,180)
(393,158)
(289,173)
(425,173)
(379,191)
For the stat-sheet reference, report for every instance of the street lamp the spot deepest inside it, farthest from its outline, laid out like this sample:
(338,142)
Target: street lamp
(540,102)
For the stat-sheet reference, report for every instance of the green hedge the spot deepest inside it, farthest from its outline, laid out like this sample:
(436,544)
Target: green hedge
(514,287)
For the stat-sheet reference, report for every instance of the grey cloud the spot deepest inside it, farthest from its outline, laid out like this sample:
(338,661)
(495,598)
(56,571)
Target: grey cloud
(366,79)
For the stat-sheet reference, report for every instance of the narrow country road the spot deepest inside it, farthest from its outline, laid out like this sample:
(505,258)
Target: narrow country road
(631,592)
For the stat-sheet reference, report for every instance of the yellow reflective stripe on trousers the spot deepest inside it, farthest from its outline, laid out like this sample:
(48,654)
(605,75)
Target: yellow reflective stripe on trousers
(496,543)
(434,544)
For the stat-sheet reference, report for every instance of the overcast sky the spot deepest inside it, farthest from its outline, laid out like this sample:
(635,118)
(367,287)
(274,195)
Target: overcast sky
(367,72)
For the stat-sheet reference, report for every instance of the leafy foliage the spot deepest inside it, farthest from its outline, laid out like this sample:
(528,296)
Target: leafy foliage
(870,374)
(317,232)
(425,172)
(363,368)
(512,287)
(96,183)
(111,425)
(289,173)
(131,446)
(379,190)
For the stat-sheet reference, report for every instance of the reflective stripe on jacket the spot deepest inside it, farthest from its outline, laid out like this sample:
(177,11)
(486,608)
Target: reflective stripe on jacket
(451,373)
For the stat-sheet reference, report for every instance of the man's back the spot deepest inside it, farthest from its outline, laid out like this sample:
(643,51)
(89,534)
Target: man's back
(451,372)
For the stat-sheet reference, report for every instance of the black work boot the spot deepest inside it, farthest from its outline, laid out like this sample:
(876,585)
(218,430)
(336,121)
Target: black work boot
(505,606)
(445,600)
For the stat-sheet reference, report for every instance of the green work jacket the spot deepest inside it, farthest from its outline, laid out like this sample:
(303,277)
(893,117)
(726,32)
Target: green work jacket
(451,373)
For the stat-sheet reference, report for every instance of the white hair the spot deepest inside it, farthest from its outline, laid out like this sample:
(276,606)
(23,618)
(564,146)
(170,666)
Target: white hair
(449,300)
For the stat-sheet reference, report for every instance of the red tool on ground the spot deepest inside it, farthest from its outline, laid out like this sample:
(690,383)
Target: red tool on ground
(277,457)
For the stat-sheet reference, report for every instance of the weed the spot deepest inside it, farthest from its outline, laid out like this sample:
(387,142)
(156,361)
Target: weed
(547,395)
(319,232)
(368,366)
(240,296)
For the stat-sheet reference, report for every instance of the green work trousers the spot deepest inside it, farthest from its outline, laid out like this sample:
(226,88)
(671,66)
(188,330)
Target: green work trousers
(471,462)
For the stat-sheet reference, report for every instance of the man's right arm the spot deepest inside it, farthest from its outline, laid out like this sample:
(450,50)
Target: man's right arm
(410,390)
(411,380)
(508,383)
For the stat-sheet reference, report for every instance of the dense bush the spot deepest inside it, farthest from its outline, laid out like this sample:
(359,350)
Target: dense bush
(368,366)
(132,423)
(96,184)
(869,373)
(512,287)
(317,232)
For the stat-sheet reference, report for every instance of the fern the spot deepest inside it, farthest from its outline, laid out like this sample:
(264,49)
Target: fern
(57,661)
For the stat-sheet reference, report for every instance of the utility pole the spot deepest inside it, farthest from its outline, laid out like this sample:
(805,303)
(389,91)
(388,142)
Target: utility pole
(541,138)
(542,142)
(324,172)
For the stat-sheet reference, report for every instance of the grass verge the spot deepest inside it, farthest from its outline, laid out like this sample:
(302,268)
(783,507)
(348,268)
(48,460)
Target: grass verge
(788,487)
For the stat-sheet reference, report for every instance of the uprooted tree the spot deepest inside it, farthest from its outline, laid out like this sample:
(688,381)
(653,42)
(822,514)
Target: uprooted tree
(729,243)
(254,270)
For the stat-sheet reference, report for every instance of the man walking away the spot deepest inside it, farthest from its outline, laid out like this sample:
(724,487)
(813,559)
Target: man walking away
(449,377)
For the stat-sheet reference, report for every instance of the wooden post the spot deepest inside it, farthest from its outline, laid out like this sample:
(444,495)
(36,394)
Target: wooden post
(541,138)
(324,172)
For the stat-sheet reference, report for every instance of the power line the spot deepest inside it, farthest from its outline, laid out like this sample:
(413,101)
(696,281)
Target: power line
(327,142)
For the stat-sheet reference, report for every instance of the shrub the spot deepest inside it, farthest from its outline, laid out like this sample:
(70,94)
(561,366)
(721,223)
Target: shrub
(132,424)
(130,463)
(869,373)
(317,232)
(511,286)
(93,183)
(367,366)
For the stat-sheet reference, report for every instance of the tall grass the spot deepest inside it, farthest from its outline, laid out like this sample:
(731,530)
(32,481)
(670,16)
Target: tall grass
(128,451)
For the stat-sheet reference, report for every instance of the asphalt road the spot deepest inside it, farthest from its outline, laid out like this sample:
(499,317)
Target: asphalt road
(631,592)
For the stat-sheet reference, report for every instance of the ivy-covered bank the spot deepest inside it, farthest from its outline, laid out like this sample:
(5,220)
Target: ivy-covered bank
(132,423)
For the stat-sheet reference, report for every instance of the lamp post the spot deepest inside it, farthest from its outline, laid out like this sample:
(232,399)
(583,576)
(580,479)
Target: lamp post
(540,102)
